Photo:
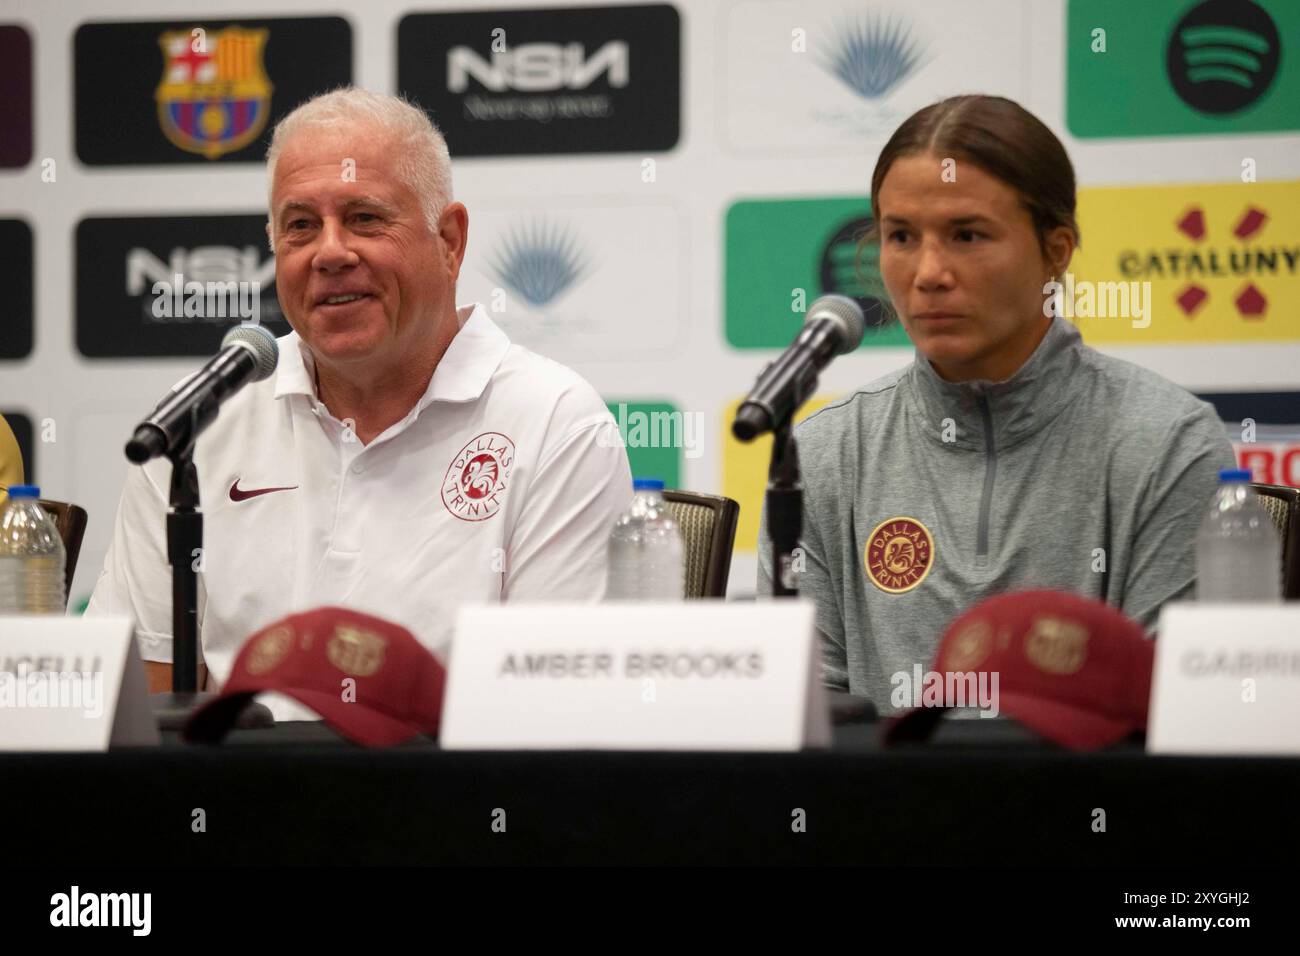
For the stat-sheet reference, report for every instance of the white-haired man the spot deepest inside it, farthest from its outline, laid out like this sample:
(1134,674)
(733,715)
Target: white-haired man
(404,457)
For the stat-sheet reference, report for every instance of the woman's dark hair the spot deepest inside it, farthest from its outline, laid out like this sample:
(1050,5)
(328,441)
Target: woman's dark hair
(1003,139)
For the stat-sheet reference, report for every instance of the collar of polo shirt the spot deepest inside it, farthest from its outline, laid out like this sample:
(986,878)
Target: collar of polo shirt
(462,373)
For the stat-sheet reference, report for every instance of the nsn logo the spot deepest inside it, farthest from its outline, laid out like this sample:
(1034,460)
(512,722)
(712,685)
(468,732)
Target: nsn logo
(164,285)
(538,67)
(546,81)
(201,264)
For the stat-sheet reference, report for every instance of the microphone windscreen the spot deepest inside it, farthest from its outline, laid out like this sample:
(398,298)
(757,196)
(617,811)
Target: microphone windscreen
(260,342)
(846,314)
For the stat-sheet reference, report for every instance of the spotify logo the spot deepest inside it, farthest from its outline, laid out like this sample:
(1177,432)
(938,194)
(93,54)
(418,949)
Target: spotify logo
(844,271)
(1223,55)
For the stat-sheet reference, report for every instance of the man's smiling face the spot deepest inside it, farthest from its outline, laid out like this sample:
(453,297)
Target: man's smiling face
(358,272)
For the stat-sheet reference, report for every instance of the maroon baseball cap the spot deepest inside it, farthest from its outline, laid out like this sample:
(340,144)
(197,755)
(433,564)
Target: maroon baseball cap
(398,686)
(1074,670)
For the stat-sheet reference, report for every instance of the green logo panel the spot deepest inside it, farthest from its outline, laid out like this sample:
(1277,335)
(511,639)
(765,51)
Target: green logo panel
(654,434)
(1182,68)
(781,251)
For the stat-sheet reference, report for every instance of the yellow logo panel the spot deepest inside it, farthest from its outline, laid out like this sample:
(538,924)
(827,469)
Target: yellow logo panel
(1221,262)
(744,470)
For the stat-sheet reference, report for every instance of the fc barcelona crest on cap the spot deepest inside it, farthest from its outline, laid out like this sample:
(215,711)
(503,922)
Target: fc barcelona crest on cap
(970,646)
(477,478)
(1057,645)
(215,96)
(356,651)
(898,555)
(269,650)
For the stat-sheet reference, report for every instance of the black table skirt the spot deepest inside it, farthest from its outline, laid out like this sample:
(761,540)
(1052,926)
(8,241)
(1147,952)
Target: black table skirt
(983,793)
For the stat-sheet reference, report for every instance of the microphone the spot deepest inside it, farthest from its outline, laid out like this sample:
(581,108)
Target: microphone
(248,354)
(834,326)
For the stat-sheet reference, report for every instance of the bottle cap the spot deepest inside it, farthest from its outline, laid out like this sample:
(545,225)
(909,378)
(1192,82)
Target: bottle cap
(1234,474)
(647,484)
(24,491)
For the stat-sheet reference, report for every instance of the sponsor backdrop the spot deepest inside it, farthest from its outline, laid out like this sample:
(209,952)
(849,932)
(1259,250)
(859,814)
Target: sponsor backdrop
(656,192)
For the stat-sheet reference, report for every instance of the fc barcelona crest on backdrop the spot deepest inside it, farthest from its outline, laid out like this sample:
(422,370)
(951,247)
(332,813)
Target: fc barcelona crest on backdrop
(198,91)
(215,96)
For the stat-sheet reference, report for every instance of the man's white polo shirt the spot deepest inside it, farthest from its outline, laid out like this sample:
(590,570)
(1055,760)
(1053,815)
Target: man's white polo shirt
(502,483)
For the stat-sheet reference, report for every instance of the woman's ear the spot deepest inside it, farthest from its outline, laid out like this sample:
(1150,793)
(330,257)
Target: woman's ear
(1058,247)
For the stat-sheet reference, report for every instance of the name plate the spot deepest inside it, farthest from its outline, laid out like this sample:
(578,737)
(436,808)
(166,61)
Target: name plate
(72,683)
(1227,680)
(625,676)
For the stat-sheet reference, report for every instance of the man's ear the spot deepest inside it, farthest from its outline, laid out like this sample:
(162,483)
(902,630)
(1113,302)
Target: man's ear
(453,229)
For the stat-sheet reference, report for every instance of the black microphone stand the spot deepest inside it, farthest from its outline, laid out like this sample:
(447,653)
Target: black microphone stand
(184,553)
(184,546)
(784,510)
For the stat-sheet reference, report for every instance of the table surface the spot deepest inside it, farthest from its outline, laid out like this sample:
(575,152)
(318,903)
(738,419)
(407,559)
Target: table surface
(983,792)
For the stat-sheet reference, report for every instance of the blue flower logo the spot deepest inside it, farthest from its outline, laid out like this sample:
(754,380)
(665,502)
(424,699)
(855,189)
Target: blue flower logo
(872,55)
(539,261)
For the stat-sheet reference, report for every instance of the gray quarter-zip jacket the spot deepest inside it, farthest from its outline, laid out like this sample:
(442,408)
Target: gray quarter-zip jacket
(922,497)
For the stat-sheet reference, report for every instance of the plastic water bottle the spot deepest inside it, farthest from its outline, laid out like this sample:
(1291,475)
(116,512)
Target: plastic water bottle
(31,556)
(645,549)
(1238,552)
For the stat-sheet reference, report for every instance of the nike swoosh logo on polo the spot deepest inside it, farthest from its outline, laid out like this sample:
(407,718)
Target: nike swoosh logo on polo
(243,494)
